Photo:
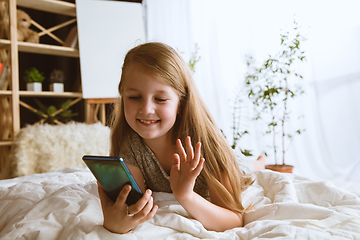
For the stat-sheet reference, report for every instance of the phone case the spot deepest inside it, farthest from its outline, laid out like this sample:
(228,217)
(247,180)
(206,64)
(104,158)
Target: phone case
(113,175)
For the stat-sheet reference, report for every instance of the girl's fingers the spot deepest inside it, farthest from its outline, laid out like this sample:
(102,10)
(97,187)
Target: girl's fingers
(123,194)
(146,210)
(199,167)
(139,205)
(151,214)
(176,162)
(196,158)
(104,199)
(153,211)
(176,165)
(181,150)
(189,149)
(189,156)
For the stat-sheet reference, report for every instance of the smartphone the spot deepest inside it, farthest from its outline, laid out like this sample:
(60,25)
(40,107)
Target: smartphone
(113,175)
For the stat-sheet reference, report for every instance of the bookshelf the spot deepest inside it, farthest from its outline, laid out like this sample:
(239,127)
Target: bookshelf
(12,96)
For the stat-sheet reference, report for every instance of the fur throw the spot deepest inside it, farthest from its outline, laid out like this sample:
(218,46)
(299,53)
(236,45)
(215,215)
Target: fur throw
(46,148)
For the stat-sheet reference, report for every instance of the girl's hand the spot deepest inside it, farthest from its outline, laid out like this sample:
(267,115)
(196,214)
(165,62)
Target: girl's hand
(185,169)
(116,218)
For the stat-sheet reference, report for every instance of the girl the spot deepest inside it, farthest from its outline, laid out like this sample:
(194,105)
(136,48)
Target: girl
(160,107)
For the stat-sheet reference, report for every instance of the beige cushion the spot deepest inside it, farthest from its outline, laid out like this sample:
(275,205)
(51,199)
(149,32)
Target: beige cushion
(46,148)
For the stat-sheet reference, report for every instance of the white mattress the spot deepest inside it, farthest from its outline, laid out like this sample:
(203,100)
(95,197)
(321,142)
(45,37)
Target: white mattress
(65,205)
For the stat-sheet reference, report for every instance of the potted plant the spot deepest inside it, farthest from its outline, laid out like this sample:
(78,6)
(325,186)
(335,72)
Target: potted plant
(57,80)
(270,88)
(33,79)
(53,115)
(194,59)
(238,130)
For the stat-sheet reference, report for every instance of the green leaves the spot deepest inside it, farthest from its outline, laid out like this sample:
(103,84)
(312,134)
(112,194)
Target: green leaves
(63,114)
(33,75)
(57,76)
(271,84)
(194,59)
(246,152)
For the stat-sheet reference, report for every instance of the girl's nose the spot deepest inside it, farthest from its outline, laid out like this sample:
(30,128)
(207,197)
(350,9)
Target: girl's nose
(147,107)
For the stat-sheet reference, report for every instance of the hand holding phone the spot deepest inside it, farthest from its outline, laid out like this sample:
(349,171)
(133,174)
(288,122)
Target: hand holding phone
(113,175)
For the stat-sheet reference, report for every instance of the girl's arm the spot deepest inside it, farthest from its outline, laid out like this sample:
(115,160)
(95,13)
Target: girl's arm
(213,215)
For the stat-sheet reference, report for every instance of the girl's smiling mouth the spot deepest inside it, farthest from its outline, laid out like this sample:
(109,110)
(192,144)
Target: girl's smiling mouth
(147,122)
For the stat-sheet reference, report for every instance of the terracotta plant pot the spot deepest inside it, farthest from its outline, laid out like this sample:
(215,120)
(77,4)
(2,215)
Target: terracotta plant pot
(280,168)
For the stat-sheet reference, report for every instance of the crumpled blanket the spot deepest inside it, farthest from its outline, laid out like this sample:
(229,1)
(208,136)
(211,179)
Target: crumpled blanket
(65,205)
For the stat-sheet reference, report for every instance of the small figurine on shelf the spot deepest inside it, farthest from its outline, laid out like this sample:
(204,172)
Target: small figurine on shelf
(57,80)
(34,79)
(24,33)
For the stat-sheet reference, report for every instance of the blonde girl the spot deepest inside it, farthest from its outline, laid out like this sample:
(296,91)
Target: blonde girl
(160,108)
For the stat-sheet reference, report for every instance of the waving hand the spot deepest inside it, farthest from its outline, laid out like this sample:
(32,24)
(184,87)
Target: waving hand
(186,168)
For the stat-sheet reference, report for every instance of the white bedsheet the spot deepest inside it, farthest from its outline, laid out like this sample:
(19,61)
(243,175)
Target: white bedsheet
(65,205)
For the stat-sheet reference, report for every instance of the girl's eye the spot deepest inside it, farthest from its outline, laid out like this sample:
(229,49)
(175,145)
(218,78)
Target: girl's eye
(160,99)
(134,97)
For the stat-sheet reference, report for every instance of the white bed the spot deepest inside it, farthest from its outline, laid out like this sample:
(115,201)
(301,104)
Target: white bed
(65,205)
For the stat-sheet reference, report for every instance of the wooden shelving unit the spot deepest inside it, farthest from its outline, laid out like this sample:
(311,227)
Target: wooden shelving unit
(43,94)
(50,94)
(5,143)
(42,48)
(53,6)
(10,101)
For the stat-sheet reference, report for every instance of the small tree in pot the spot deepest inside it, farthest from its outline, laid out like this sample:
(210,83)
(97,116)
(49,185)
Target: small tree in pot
(56,80)
(272,85)
(33,79)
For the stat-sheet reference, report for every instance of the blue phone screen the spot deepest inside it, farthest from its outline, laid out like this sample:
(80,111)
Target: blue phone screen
(113,175)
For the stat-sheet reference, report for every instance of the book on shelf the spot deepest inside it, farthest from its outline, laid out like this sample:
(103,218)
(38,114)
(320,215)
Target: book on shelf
(72,38)
(3,72)
(1,67)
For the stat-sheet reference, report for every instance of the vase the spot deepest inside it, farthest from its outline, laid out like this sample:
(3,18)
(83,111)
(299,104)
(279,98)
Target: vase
(280,168)
(57,87)
(34,86)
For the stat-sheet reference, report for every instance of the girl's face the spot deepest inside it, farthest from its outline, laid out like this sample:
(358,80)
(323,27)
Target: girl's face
(150,104)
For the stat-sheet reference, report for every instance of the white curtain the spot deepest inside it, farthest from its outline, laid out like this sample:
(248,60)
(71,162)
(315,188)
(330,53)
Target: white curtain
(328,149)
(226,31)
(182,24)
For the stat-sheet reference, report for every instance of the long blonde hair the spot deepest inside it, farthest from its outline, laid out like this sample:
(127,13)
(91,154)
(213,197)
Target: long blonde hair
(195,120)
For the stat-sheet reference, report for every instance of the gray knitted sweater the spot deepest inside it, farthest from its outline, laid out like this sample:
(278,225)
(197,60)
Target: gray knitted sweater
(155,177)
